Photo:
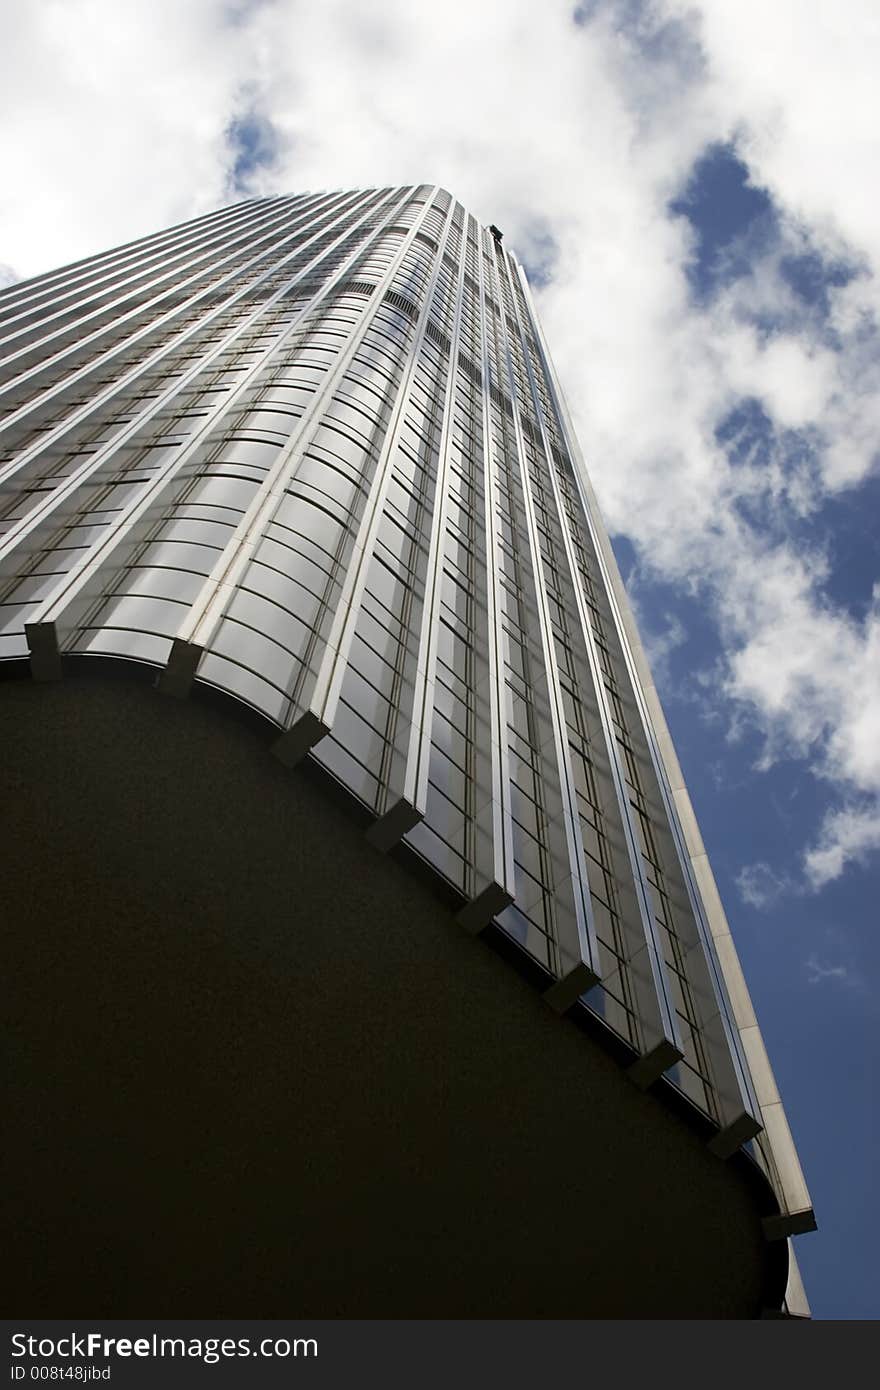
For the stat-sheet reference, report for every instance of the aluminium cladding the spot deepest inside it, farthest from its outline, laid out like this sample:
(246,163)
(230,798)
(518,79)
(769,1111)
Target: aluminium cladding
(311,451)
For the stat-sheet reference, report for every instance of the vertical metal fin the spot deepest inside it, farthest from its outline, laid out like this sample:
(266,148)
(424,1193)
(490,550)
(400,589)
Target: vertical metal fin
(67,603)
(579,957)
(743,1117)
(661,1039)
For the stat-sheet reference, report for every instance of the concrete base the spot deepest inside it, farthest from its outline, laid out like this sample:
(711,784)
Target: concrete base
(259,1070)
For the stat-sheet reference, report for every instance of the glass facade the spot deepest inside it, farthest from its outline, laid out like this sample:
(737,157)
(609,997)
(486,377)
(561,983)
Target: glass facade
(311,451)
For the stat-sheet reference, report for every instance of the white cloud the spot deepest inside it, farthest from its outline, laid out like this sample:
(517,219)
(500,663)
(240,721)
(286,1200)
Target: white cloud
(797,82)
(116,120)
(113,119)
(818,973)
(760,886)
(848,836)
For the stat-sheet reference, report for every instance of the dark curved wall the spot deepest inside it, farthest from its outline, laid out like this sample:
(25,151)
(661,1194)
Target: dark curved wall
(258,1069)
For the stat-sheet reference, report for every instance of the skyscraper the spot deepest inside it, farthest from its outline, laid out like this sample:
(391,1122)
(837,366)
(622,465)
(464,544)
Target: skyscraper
(306,461)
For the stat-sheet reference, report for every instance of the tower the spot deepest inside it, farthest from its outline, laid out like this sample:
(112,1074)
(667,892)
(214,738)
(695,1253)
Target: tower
(305,463)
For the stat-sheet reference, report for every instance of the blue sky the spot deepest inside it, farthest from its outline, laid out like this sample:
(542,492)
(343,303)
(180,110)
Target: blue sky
(691,184)
(812,958)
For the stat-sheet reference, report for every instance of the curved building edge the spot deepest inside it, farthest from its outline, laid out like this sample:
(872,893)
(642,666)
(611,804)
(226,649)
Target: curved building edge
(775,1146)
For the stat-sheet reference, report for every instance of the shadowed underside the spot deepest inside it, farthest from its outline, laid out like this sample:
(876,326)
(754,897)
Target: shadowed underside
(258,1070)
